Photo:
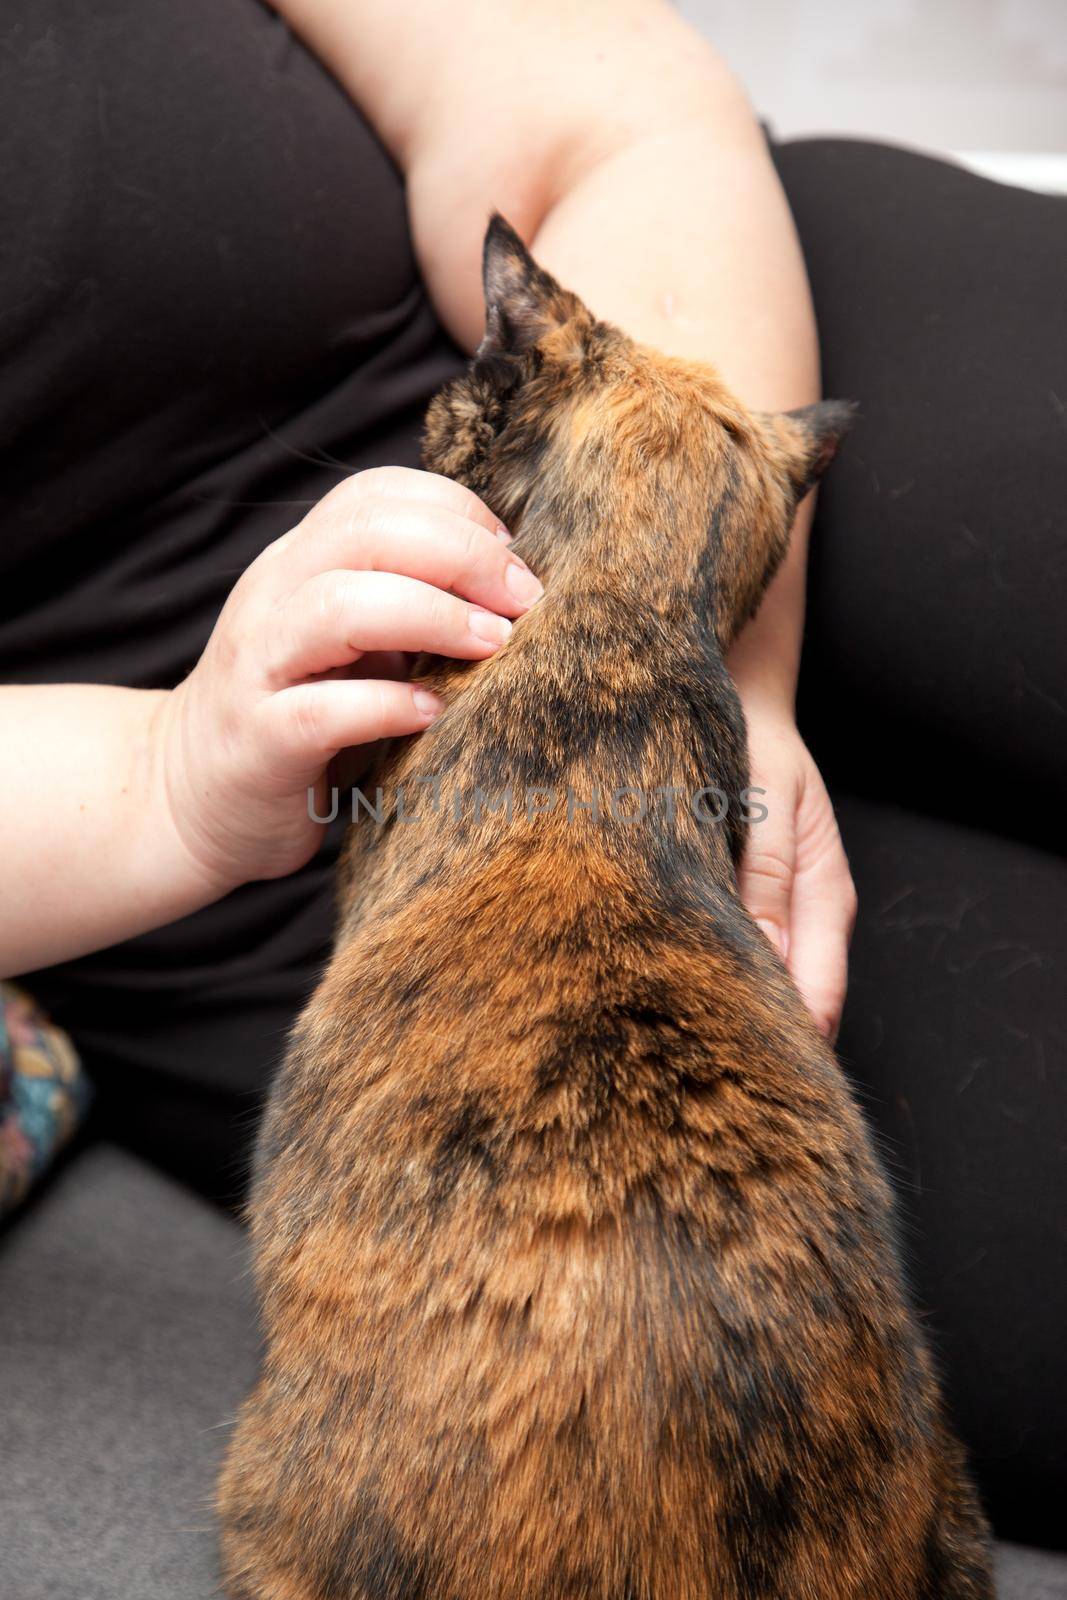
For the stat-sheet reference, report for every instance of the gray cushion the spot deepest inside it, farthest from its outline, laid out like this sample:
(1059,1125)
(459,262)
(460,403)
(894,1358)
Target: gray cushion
(127,1339)
(1030,1574)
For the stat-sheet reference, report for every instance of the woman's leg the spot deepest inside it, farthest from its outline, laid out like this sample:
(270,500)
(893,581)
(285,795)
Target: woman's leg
(934,695)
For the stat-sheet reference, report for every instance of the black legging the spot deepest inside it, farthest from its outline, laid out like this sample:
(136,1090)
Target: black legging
(934,696)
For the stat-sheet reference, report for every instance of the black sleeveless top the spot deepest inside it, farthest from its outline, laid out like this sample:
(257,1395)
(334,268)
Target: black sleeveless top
(209,313)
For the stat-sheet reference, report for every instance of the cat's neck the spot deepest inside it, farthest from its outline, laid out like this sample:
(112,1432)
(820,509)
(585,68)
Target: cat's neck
(639,551)
(613,691)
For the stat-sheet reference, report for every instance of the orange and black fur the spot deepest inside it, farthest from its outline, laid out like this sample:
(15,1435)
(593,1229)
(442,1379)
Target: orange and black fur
(577,1269)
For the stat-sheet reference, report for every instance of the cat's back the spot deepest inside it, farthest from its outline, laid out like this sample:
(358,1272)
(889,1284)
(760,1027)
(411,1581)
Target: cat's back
(507,1051)
(576,1245)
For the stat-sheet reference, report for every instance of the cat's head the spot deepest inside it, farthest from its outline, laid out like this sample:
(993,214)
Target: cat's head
(649,463)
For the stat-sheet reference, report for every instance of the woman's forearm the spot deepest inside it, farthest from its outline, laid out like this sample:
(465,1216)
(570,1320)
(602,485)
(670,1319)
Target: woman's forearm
(89,852)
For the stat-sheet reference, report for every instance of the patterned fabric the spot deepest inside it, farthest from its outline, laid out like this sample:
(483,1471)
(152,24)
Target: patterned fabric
(43,1093)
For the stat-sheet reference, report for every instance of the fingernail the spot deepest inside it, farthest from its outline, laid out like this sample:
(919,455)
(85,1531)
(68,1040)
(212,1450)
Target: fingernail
(779,937)
(502,533)
(521,583)
(488,627)
(427,703)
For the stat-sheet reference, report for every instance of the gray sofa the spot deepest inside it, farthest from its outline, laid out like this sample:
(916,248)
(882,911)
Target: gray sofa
(127,1339)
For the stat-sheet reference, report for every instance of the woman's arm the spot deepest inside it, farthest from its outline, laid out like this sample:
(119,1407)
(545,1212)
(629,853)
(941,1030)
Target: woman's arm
(622,148)
(123,809)
(89,854)
(617,142)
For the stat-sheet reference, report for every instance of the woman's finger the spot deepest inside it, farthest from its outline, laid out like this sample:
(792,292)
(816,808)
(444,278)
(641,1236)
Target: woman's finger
(765,880)
(336,617)
(311,722)
(824,909)
(412,483)
(824,906)
(356,515)
(424,540)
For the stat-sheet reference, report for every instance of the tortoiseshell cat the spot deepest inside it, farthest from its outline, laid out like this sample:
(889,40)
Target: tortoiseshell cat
(577,1269)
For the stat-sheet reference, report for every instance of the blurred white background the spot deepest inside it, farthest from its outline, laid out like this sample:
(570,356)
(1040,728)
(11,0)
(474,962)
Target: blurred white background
(952,75)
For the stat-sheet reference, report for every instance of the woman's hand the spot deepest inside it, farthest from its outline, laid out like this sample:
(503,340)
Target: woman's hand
(392,560)
(794,876)
(130,808)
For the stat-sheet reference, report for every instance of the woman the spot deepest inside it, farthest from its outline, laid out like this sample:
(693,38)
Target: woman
(226,308)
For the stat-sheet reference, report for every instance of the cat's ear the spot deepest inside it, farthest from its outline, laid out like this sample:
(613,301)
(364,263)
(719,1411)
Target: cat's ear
(812,436)
(523,302)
